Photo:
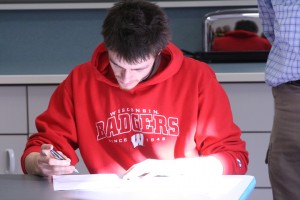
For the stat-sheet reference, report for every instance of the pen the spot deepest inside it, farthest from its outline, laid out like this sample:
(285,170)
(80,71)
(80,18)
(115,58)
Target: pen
(59,157)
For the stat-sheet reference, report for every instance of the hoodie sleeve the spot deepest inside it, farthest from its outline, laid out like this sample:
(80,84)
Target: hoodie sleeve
(56,126)
(217,134)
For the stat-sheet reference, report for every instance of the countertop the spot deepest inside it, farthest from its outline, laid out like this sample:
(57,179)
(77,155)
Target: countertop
(225,72)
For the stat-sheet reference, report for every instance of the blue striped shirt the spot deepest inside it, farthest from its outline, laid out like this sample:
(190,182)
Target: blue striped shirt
(281,25)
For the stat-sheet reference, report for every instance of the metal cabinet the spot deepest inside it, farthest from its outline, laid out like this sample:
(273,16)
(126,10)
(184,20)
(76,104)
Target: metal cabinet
(252,105)
(253,109)
(11,149)
(13,128)
(38,100)
(13,112)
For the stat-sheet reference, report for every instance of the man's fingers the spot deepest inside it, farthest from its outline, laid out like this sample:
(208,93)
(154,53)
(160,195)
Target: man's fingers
(63,155)
(45,149)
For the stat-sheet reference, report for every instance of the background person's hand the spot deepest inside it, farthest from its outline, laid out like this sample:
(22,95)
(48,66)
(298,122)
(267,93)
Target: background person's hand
(45,164)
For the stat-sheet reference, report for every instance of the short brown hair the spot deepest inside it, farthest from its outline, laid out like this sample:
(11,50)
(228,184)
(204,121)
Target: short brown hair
(135,29)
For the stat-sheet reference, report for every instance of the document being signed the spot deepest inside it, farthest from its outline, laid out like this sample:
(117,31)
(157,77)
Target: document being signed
(112,186)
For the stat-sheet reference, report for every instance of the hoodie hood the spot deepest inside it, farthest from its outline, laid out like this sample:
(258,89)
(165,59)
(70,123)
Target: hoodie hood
(171,61)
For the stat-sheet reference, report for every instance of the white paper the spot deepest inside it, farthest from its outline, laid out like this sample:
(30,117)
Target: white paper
(111,186)
(91,182)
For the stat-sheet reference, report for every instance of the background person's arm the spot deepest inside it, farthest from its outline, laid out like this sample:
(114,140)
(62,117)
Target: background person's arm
(267,15)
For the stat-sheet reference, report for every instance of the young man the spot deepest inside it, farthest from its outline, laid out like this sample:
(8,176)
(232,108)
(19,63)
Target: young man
(281,25)
(139,104)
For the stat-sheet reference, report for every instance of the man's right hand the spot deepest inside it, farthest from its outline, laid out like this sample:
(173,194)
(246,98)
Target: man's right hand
(45,164)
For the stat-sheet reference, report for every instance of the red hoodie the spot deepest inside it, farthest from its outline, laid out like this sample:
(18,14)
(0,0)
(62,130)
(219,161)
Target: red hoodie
(241,40)
(182,111)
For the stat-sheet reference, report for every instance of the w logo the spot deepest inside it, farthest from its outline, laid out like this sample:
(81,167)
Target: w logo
(137,140)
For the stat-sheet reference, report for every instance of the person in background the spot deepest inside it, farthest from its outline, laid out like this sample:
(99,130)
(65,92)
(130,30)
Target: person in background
(221,31)
(281,25)
(243,38)
(138,108)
